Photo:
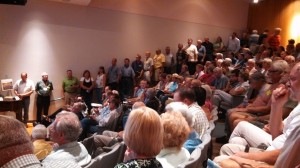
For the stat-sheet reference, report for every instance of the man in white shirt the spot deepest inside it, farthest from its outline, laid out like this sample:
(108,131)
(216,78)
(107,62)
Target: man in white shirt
(17,150)
(234,44)
(65,131)
(188,97)
(192,56)
(23,88)
(275,134)
(148,67)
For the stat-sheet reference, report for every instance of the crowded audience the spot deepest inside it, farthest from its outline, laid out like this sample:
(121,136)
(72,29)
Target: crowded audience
(165,102)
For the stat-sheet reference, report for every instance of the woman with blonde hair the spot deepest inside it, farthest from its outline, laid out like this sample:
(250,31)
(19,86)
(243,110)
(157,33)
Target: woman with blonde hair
(143,135)
(176,131)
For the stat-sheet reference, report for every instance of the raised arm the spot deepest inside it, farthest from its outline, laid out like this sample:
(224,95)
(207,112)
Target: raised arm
(279,97)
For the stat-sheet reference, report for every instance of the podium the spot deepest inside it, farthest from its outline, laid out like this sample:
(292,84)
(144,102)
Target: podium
(12,105)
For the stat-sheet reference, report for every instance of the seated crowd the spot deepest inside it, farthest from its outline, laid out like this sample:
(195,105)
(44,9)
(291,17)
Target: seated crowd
(162,107)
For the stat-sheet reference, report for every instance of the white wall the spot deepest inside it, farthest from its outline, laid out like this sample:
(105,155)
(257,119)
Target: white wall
(53,37)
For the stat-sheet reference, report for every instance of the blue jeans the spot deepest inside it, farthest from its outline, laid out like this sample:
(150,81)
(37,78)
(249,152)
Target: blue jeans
(88,126)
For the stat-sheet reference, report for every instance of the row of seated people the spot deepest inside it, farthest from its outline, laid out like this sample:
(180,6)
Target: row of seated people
(152,66)
(264,129)
(187,96)
(65,138)
(169,132)
(164,86)
(144,126)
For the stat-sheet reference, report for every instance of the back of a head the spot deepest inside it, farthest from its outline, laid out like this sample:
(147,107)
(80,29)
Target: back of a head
(183,109)
(137,105)
(150,92)
(196,82)
(14,140)
(176,129)
(200,95)
(143,132)
(258,77)
(281,65)
(187,93)
(69,124)
(39,132)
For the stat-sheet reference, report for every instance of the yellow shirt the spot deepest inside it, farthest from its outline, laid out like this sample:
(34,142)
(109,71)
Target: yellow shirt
(41,148)
(159,60)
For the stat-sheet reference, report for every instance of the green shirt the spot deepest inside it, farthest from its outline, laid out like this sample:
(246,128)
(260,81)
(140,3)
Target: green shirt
(68,85)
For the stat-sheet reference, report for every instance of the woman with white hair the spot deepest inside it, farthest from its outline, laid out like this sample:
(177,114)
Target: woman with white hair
(41,147)
(193,139)
(176,131)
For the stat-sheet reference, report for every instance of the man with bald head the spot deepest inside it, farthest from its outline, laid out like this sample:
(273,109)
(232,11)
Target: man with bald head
(23,88)
(44,90)
(17,150)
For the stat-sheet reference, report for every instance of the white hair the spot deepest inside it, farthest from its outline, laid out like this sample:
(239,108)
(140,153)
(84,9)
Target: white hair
(220,54)
(183,109)
(39,132)
(137,105)
(228,60)
(251,60)
(69,124)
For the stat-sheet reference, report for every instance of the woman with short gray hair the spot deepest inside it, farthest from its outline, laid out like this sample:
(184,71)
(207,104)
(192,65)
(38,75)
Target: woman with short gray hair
(193,139)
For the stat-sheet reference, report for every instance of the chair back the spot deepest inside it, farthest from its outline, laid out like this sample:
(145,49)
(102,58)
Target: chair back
(193,162)
(206,140)
(110,159)
(211,127)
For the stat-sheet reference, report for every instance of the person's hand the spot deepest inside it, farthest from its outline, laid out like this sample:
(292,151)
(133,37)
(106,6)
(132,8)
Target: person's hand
(279,96)
(241,110)
(241,154)
(247,163)
(267,128)
(229,163)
